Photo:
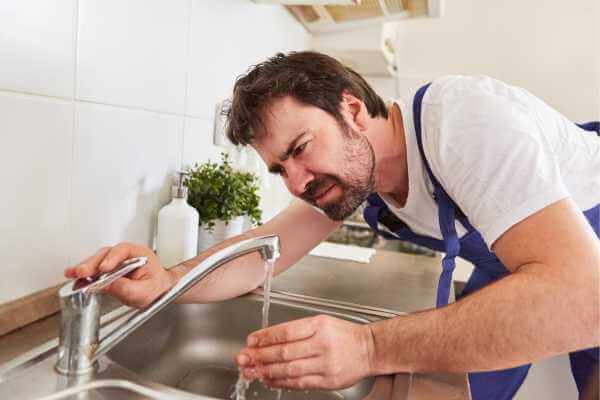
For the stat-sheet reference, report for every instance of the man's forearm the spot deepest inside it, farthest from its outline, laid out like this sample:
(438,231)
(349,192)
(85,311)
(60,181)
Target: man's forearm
(233,279)
(245,273)
(531,314)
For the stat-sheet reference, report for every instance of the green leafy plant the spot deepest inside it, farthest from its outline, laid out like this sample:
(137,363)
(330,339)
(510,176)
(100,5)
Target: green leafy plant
(220,192)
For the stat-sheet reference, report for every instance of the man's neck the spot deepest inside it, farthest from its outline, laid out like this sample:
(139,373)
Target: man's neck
(390,154)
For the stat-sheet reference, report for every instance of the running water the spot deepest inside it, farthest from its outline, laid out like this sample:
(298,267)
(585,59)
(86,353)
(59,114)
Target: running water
(267,292)
(242,383)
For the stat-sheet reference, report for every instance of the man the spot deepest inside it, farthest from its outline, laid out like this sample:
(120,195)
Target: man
(467,165)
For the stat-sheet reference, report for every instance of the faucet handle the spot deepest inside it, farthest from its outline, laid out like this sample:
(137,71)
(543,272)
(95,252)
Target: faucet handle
(95,283)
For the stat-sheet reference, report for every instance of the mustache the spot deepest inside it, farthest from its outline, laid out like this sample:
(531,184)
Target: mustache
(316,187)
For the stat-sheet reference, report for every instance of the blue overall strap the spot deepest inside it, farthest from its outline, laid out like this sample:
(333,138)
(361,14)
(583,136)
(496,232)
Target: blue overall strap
(446,211)
(593,126)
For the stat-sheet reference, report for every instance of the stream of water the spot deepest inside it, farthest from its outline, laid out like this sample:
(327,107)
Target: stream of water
(242,383)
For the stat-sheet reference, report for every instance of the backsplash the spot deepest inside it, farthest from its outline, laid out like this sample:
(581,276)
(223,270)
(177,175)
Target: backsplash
(100,100)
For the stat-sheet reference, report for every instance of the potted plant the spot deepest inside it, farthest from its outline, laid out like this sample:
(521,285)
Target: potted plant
(223,196)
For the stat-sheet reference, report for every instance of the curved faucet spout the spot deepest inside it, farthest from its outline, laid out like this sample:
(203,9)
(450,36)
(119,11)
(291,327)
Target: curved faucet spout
(79,346)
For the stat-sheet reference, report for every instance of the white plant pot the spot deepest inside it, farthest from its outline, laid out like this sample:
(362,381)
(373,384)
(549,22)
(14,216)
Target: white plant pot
(248,224)
(220,232)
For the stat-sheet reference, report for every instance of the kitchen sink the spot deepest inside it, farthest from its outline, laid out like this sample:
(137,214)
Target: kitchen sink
(191,347)
(186,351)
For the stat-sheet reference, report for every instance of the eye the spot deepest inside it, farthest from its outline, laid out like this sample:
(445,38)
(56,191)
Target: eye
(298,150)
(278,171)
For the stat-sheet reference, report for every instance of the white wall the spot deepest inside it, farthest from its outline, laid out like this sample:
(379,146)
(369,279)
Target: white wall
(365,38)
(551,48)
(100,100)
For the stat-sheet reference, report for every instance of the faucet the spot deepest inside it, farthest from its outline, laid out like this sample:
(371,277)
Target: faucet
(79,345)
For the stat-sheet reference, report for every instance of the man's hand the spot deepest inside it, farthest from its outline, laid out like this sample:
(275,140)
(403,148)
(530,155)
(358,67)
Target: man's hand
(138,290)
(312,353)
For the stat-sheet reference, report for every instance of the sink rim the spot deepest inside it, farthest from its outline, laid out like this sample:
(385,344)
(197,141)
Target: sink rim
(123,384)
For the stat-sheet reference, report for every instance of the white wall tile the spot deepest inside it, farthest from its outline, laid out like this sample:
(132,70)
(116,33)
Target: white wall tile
(226,38)
(133,53)
(35,153)
(198,144)
(123,165)
(37,45)
(68,192)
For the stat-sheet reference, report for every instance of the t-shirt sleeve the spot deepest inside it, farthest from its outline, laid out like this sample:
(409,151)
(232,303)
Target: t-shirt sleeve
(491,158)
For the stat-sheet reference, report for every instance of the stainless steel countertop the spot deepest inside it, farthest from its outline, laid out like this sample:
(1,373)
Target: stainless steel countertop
(392,280)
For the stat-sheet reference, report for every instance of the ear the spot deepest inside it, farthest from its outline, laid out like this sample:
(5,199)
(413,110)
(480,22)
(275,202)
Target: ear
(354,111)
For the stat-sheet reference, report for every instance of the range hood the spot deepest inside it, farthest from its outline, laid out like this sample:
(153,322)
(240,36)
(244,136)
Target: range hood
(323,16)
(310,2)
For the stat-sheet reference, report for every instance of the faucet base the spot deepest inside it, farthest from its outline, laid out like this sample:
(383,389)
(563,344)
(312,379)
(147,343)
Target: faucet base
(77,372)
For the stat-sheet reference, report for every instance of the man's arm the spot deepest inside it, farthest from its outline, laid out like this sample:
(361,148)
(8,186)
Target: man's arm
(299,227)
(549,305)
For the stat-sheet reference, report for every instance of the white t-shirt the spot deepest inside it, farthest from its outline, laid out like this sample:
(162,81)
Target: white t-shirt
(499,152)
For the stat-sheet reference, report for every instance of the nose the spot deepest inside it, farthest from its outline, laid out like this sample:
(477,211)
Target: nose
(297,178)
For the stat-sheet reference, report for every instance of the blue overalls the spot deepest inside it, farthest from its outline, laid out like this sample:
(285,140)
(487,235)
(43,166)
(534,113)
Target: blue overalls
(493,385)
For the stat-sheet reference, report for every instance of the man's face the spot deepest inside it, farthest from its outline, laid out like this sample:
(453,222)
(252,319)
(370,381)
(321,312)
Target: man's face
(329,166)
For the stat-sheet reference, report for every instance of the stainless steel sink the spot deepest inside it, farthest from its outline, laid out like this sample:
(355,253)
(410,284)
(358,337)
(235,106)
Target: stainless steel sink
(192,347)
(187,352)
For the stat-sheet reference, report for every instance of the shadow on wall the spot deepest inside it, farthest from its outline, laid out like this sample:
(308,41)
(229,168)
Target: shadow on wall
(148,202)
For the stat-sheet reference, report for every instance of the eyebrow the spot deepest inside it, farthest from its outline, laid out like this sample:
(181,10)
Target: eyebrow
(286,155)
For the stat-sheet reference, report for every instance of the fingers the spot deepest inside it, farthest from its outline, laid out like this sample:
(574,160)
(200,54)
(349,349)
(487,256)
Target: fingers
(135,293)
(320,352)
(292,369)
(88,267)
(287,332)
(116,256)
(141,273)
(278,353)
(300,383)
(106,259)
(139,288)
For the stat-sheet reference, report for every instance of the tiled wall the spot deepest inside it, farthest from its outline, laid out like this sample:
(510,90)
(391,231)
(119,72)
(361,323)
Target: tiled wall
(100,100)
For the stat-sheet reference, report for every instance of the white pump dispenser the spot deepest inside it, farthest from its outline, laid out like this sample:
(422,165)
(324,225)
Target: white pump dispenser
(177,233)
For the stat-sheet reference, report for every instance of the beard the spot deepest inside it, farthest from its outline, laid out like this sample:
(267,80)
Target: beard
(357,181)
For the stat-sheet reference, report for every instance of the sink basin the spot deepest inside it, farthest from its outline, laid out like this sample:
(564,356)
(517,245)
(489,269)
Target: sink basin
(191,347)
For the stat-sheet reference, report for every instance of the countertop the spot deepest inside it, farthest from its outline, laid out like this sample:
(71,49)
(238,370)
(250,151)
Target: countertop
(392,280)
(396,281)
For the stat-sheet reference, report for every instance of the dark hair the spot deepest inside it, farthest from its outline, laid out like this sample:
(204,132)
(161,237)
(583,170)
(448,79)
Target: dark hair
(312,78)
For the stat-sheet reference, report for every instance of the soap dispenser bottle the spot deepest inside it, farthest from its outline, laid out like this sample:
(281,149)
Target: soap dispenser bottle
(177,231)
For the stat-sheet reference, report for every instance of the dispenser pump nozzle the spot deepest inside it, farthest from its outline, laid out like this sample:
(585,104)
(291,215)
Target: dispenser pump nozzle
(179,190)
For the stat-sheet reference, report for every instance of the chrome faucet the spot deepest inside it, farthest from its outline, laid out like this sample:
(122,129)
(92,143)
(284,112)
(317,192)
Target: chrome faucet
(80,348)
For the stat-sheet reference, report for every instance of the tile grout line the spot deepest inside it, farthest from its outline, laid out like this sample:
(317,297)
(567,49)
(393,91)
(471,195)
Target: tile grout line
(187,82)
(132,108)
(75,48)
(32,94)
(94,102)
(74,128)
